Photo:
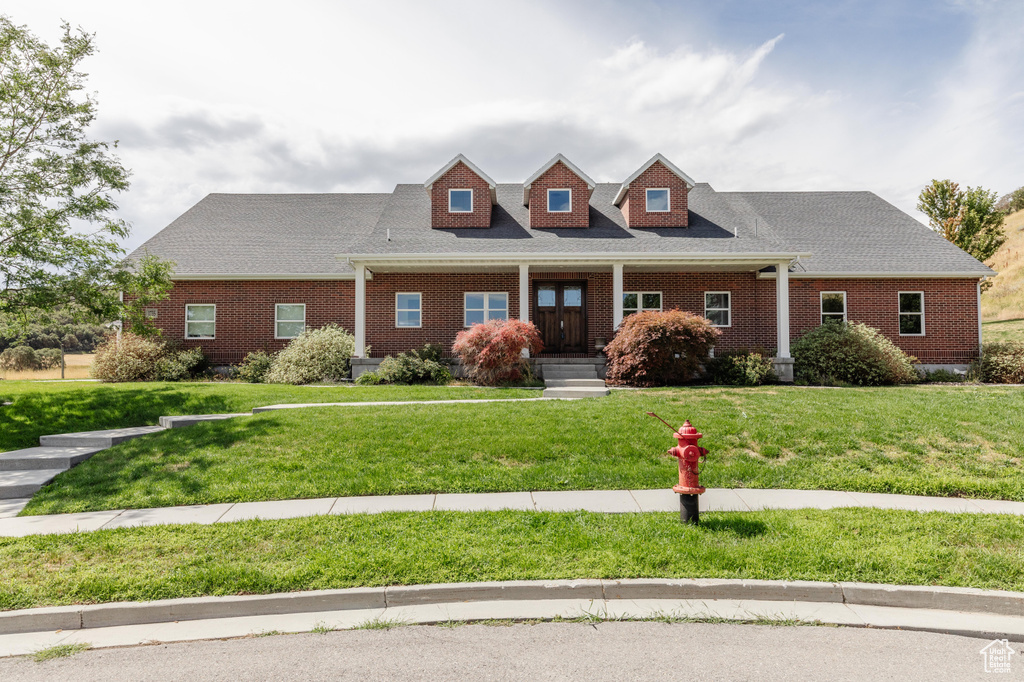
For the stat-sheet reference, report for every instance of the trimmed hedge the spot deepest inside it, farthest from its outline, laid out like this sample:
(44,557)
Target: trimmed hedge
(660,348)
(851,353)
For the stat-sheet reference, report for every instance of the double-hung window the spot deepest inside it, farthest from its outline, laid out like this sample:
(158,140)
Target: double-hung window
(657,200)
(911,313)
(559,201)
(482,307)
(460,201)
(200,321)
(289,320)
(833,306)
(408,310)
(718,308)
(638,301)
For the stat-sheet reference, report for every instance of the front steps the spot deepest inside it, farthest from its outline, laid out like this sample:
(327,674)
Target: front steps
(570,382)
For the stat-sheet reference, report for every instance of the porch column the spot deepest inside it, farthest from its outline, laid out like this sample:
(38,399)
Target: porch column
(524,298)
(616,295)
(360,351)
(783,361)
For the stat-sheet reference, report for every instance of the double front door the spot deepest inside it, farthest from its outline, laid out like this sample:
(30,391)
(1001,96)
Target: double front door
(560,313)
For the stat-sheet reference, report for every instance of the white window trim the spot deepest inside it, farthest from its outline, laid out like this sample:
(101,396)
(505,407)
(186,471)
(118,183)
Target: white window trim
(668,196)
(398,310)
(460,189)
(276,320)
(640,302)
(900,312)
(821,305)
(559,189)
(201,338)
(487,304)
(728,309)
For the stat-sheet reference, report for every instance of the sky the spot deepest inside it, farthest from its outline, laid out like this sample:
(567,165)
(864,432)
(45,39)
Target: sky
(747,95)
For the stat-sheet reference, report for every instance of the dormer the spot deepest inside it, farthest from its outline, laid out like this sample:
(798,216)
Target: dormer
(558,195)
(656,195)
(461,195)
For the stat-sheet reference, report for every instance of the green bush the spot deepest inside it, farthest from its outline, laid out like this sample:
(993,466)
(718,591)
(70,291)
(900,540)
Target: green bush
(137,358)
(943,376)
(421,366)
(851,353)
(314,355)
(1001,363)
(48,358)
(180,365)
(19,359)
(741,368)
(660,348)
(255,366)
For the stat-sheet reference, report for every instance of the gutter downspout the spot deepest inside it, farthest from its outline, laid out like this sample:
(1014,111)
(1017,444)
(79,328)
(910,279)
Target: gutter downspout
(981,338)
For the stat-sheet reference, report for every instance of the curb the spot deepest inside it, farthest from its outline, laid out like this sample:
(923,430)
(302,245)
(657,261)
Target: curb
(965,600)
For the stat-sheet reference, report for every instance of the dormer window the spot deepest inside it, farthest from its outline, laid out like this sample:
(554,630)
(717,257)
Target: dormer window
(657,200)
(460,201)
(559,201)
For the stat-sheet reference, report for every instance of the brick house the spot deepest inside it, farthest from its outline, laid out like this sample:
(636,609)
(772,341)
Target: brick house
(574,256)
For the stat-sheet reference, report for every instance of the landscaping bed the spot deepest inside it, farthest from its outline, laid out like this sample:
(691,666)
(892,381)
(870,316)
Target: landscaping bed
(920,440)
(258,557)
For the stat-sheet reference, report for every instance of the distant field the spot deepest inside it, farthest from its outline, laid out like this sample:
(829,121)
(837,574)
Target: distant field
(76,367)
(1003,330)
(1005,300)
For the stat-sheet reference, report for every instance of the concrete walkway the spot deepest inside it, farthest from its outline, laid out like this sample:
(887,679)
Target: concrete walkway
(606,501)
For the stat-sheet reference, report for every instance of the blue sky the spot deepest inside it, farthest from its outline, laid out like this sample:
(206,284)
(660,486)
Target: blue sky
(355,96)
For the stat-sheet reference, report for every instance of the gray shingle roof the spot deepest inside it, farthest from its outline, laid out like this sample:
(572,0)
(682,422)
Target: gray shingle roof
(303,234)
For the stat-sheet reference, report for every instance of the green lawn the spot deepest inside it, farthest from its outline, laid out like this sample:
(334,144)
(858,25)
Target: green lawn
(41,408)
(926,440)
(256,557)
(1004,330)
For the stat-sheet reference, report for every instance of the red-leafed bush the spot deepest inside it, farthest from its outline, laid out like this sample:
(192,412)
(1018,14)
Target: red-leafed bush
(492,352)
(660,348)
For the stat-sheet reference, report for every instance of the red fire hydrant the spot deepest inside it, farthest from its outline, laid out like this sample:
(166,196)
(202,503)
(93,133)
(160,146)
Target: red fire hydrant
(688,453)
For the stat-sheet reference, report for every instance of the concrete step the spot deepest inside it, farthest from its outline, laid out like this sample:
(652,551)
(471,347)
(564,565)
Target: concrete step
(176,422)
(574,393)
(574,383)
(570,372)
(44,458)
(97,439)
(15,484)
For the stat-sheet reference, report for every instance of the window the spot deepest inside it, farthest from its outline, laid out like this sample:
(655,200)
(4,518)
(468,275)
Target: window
(636,301)
(407,310)
(559,200)
(833,306)
(911,313)
(657,201)
(289,320)
(460,201)
(718,308)
(200,321)
(484,307)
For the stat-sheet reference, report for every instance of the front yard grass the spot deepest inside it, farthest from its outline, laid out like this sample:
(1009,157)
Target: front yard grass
(259,557)
(920,440)
(38,409)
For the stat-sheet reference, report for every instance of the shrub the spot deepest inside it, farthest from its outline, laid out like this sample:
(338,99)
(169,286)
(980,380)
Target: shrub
(492,352)
(314,355)
(130,358)
(851,353)
(741,368)
(1001,363)
(19,359)
(179,365)
(944,376)
(48,358)
(659,348)
(254,367)
(421,366)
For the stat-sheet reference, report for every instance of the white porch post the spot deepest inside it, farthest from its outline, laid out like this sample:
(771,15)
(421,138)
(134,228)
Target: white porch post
(524,298)
(783,362)
(616,295)
(360,311)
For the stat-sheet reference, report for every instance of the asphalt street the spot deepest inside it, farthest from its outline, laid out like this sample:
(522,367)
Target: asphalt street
(545,651)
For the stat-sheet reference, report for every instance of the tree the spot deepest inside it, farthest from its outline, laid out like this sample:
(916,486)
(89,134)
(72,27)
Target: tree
(967,218)
(59,233)
(1012,202)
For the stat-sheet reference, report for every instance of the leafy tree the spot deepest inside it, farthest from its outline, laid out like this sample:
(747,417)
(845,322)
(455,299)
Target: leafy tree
(1012,202)
(58,229)
(967,218)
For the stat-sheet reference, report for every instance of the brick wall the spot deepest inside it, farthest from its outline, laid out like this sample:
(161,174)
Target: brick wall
(559,176)
(634,205)
(460,176)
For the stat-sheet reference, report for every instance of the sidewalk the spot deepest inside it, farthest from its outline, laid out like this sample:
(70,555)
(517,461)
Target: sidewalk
(606,501)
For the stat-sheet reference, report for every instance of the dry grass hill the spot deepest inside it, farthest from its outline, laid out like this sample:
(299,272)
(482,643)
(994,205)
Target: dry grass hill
(1005,299)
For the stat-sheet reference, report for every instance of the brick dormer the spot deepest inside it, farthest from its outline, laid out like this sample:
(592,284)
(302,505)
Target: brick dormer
(461,195)
(656,195)
(568,190)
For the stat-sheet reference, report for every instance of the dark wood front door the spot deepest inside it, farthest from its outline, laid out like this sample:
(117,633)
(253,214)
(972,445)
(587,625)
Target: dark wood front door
(560,313)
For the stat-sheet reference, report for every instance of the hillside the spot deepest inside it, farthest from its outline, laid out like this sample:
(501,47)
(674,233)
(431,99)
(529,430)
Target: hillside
(1005,300)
